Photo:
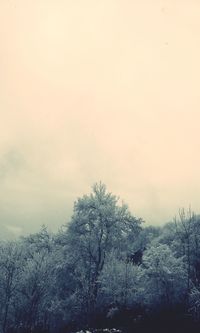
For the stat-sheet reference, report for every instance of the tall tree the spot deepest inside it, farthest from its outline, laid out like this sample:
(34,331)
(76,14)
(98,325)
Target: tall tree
(98,225)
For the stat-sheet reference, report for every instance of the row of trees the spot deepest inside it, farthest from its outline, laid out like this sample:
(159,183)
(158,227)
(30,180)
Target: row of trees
(102,263)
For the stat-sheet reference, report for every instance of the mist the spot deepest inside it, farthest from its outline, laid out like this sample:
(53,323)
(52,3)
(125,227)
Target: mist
(94,91)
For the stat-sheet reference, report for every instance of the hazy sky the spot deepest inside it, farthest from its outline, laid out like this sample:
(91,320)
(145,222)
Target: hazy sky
(98,90)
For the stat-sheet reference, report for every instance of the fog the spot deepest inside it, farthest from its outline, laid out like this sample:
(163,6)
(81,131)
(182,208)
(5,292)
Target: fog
(98,90)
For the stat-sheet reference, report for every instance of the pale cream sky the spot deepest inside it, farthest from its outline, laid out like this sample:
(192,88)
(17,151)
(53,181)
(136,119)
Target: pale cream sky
(98,90)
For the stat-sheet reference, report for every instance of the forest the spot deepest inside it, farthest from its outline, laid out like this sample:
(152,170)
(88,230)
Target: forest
(103,271)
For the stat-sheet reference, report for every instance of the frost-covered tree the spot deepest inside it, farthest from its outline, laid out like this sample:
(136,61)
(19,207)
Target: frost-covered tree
(165,276)
(187,231)
(120,283)
(10,268)
(36,272)
(98,225)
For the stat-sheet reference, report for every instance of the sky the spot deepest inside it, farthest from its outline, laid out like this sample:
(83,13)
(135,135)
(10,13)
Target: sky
(98,90)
